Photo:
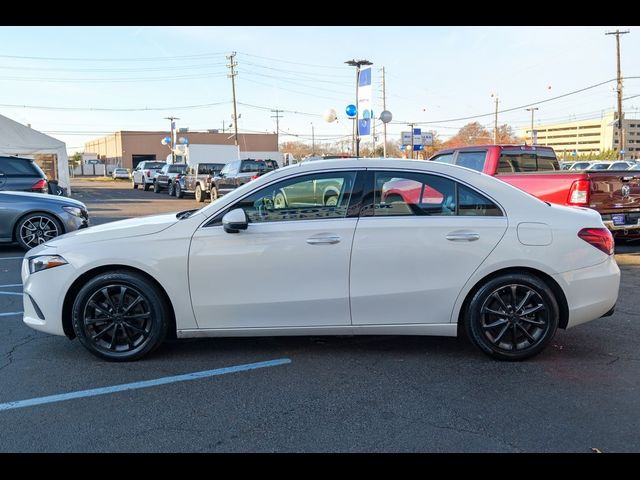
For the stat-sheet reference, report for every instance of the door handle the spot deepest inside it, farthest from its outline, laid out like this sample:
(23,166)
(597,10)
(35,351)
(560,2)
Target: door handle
(323,240)
(462,236)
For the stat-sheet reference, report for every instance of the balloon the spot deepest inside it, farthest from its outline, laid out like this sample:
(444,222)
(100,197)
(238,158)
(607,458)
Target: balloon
(330,115)
(165,141)
(351,111)
(183,140)
(385,116)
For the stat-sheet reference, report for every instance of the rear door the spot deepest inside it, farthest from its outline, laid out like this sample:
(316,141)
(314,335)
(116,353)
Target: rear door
(419,238)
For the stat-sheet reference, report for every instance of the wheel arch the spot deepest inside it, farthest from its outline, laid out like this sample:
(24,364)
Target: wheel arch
(75,287)
(26,214)
(546,278)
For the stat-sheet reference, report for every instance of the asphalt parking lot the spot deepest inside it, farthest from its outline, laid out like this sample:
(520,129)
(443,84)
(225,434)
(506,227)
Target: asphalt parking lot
(348,394)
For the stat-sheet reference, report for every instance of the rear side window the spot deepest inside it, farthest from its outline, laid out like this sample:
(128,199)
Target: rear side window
(252,166)
(14,166)
(419,194)
(177,168)
(154,165)
(444,158)
(527,162)
(473,160)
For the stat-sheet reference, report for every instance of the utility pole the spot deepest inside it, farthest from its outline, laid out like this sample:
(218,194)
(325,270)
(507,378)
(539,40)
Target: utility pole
(384,108)
(495,124)
(621,139)
(277,116)
(173,137)
(313,140)
(532,110)
(232,64)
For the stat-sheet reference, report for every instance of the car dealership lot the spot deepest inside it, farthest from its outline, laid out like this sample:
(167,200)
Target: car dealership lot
(336,394)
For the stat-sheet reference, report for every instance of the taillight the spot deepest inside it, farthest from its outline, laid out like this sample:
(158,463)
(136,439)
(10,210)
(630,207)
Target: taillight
(148,173)
(178,176)
(600,238)
(40,185)
(579,192)
(255,177)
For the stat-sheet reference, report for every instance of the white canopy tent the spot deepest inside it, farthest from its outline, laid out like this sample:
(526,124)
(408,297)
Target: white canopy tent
(22,141)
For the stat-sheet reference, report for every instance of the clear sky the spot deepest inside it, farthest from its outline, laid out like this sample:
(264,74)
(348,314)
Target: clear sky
(95,80)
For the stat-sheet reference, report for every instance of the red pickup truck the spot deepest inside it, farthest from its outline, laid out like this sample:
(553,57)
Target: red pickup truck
(534,169)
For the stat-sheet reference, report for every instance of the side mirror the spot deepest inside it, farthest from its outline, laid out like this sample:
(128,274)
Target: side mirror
(235,220)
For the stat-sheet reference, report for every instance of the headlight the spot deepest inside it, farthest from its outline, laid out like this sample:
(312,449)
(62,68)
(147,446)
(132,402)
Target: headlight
(73,211)
(44,262)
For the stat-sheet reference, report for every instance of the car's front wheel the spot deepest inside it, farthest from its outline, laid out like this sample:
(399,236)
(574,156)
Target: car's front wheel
(179,192)
(120,316)
(199,194)
(37,228)
(214,194)
(172,189)
(512,317)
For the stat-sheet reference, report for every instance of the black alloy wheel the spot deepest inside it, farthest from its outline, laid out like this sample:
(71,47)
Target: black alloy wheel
(120,316)
(513,317)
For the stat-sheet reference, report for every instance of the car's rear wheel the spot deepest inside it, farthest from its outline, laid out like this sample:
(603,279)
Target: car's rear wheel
(145,185)
(280,200)
(171,189)
(120,316)
(214,193)
(135,185)
(512,317)
(199,194)
(179,192)
(37,228)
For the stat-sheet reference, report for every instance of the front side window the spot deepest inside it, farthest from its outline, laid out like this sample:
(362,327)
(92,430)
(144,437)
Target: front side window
(309,197)
(420,194)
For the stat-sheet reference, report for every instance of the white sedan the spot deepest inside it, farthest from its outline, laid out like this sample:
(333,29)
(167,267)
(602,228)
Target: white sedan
(120,173)
(351,246)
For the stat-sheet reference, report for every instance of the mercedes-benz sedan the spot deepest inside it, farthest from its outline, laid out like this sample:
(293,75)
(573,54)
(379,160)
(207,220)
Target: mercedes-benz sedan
(323,248)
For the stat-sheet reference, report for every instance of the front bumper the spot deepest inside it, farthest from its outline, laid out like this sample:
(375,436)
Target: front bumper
(46,289)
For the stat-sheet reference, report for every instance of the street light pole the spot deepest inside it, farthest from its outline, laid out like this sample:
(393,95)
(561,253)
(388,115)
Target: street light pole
(532,110)
(313,140)
(356,133)
(173,143)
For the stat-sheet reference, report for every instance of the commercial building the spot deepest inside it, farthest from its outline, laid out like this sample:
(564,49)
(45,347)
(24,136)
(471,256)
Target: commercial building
(128,148)
(587,136)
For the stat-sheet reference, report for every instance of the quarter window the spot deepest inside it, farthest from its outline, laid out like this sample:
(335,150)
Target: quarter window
(310,197)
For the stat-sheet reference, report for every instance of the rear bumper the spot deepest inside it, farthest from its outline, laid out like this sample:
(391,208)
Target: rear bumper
(591,292)
(621,228)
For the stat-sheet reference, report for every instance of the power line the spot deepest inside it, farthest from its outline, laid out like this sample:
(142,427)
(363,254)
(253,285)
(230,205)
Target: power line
(103,59)
(109,109)
(295,63)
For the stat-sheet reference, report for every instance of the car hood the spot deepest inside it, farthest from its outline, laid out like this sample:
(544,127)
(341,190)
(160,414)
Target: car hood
(70,202)
(132,227)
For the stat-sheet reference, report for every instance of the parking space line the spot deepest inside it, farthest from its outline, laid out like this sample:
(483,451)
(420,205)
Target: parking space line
(10,293)
(8,314)
(11,285)
(143,384)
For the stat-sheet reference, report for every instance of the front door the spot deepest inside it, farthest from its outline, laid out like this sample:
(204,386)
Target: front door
(418,241)
(290,268)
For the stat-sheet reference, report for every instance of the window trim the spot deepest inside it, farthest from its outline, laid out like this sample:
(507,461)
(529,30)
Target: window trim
(369,192)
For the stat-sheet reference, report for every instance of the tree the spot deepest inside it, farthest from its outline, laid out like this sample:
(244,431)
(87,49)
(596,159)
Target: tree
(471,134)
(506,135)
(76,159)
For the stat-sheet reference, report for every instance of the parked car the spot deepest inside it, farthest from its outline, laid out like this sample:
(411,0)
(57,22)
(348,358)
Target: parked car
(488,258)
(535,169)
(144,174)
(22,174)
(167,176)
(120,173)
(197,180)
(580,165)
(238,173)
(31,219)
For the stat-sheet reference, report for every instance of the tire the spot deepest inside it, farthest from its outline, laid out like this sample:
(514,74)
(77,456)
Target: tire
(331,199)
(156,187)
(103,322)
(214,194)
(280,200)
(145,185)
(520,311)
(35,229)
(179,192)
(135,185)
(200,195)
(171,190)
